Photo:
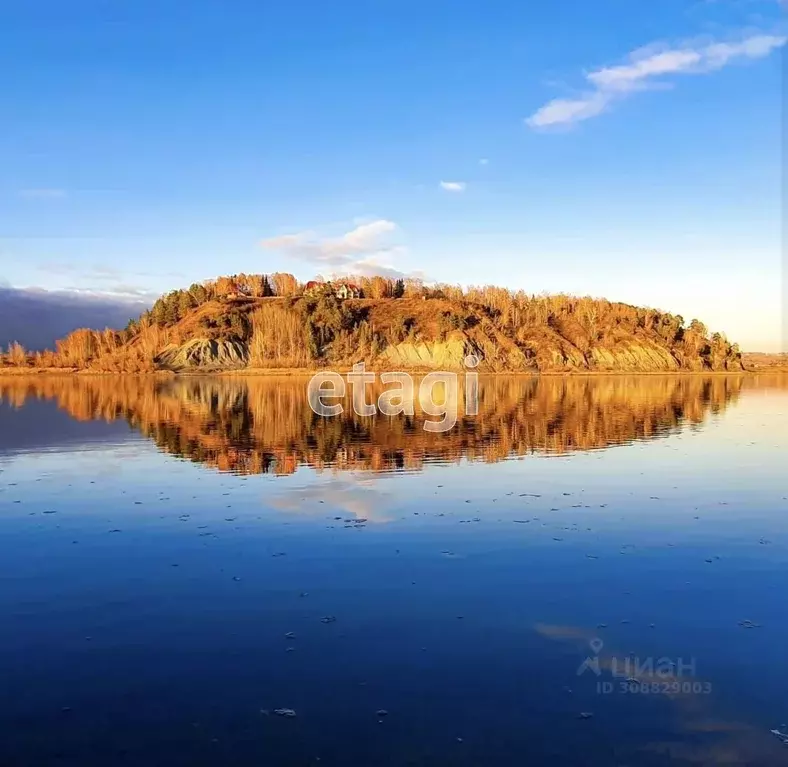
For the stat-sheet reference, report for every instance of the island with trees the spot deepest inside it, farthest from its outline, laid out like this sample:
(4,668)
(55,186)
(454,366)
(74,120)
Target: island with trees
(249,322)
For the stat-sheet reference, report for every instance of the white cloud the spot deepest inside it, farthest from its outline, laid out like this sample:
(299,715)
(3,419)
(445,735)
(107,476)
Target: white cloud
(372,266)
(648,68)
(358,251)
(42,194)
(560,111)
(365,239)
(453,186)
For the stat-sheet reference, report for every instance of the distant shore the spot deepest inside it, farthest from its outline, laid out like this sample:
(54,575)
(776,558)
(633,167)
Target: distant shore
(285,372)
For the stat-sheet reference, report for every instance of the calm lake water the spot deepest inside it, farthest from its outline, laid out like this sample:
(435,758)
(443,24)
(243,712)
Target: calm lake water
(592,571)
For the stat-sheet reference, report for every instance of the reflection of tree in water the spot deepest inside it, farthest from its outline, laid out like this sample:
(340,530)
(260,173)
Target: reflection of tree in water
(260,424)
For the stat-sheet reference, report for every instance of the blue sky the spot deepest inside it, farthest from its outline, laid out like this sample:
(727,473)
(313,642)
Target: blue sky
(617,149)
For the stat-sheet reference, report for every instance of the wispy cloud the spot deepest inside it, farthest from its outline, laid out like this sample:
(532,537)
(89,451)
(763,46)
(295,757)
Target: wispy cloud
(102,280)
(120,291)
(94,271)
(362,250)
(453,186)
(484,161)
(42,194)
(649,68)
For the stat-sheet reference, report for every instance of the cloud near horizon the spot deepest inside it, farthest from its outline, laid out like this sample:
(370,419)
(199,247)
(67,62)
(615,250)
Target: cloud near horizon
(42,194)
(646,69)
(453,186)
(358,251)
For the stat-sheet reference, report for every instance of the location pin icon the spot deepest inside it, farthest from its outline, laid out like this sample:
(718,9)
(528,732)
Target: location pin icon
(596,645)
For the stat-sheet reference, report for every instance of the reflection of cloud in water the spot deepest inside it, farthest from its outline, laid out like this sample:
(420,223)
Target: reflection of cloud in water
(726,742)
(359,499)
(564,632)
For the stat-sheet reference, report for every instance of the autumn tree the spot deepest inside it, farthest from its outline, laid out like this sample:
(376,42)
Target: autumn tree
(284,284)
(186,302)
(226,286)
(199,293)
(258,285)
(77,349)
(16,354)
(377,287)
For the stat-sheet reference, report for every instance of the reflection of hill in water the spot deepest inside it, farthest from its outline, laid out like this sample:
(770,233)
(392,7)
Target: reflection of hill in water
(253,425)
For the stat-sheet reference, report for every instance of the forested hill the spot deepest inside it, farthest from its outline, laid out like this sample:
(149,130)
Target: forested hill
(262,321)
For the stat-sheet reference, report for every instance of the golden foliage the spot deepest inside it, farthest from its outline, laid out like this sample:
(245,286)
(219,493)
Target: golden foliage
(283,327)
(279,338)
(264,424)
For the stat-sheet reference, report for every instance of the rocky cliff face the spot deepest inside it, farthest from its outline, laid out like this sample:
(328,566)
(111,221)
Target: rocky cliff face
(203,354)
(447,355)
(633,357)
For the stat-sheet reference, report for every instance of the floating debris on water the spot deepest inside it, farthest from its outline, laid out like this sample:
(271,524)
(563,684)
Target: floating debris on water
(381,712)
(747,624)
(585,715)
(782,736)
(288,713)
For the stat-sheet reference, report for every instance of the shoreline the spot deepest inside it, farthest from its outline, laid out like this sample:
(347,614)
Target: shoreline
(288,372)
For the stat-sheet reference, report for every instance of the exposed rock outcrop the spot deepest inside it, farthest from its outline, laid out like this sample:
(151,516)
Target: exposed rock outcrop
(204,354)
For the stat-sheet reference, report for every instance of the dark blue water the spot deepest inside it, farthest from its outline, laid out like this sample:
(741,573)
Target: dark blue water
(157,611)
